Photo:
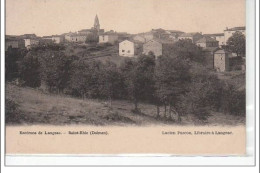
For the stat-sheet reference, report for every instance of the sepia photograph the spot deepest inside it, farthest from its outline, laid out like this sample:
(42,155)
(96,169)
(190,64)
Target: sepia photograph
(112,68)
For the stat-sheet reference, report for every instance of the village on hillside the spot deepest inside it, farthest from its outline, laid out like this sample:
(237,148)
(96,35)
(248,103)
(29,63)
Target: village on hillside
(131,45)
(103,77)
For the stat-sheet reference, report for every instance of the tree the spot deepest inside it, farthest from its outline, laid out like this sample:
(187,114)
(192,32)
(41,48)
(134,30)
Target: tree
(12,56)
(184,49)
(139,78)
(204,92)
(111,83)
(84,78)
(237,43)
(29,70)
(55,69)
(171,81)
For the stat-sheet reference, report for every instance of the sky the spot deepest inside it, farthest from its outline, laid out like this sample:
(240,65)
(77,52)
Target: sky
(49,17)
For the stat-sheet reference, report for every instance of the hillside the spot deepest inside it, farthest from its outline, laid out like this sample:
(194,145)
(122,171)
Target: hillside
(102,52)
(235,78)
(36,107)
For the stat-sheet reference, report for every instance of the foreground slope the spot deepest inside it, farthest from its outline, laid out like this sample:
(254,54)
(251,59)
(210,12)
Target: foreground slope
(37,107)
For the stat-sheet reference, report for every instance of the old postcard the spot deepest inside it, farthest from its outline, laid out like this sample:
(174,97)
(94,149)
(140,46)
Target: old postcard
(125,77)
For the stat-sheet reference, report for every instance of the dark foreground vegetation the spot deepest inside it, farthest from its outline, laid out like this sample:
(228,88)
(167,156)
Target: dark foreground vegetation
(177,84)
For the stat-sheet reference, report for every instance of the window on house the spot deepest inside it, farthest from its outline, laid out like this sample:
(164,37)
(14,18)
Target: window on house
(123,50)
(128,51)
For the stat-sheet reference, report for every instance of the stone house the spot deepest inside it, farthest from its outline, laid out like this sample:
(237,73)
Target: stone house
(174,34)
(193,36)
(11,44)
(221,60)
(208,54)
(207,41)
(69,35)
(157,47)
(148,36)
(154,46)
(58,39)
(30,42)
(228,32)
(46,40)
(75,38)
(123,36)
(129,48)
(108,38)
(139,38)
(219,37)
(126,48)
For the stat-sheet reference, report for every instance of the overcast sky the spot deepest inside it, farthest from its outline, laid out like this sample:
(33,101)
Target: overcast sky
(48,17)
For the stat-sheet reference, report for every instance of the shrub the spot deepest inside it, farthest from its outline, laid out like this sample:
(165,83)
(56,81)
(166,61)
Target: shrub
(233,101)
(11,111)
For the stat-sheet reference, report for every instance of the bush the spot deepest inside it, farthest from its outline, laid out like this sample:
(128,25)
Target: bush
(11,111)
(233,102)
(115,116)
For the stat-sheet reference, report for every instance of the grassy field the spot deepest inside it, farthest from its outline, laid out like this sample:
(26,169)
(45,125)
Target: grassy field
(36,107)
(98,52)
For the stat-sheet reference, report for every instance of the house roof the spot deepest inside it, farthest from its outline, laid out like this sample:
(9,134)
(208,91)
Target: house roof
(47,37)
(109,33)
(206,39)
(126,41)
(236,28)
(217,34)
(11,39)
(75,34)
(158,30)
(161,41)
(85,30)
(221,51)
(174,31)
(191,34)
(210,49)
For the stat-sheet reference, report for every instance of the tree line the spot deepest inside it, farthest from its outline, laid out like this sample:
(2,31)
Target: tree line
(176,82)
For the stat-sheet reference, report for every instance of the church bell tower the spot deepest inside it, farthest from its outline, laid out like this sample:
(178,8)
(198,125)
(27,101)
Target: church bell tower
(96,23)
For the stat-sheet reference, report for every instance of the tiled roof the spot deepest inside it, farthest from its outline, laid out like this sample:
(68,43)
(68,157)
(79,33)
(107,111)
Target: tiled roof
(85,30)
(191,34)
(236,28)
(206,39)
(161,41)
(174,31)
(222,51)
(210,49)
(217,34)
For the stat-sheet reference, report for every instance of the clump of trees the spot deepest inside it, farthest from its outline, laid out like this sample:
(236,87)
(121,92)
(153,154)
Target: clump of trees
(177,81)
(12,57)
(29,70)
(139,80)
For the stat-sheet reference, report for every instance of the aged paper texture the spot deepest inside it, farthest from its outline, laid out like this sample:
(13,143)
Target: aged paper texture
(125,77)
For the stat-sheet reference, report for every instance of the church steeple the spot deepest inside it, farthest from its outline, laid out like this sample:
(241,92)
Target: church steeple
(96,23)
